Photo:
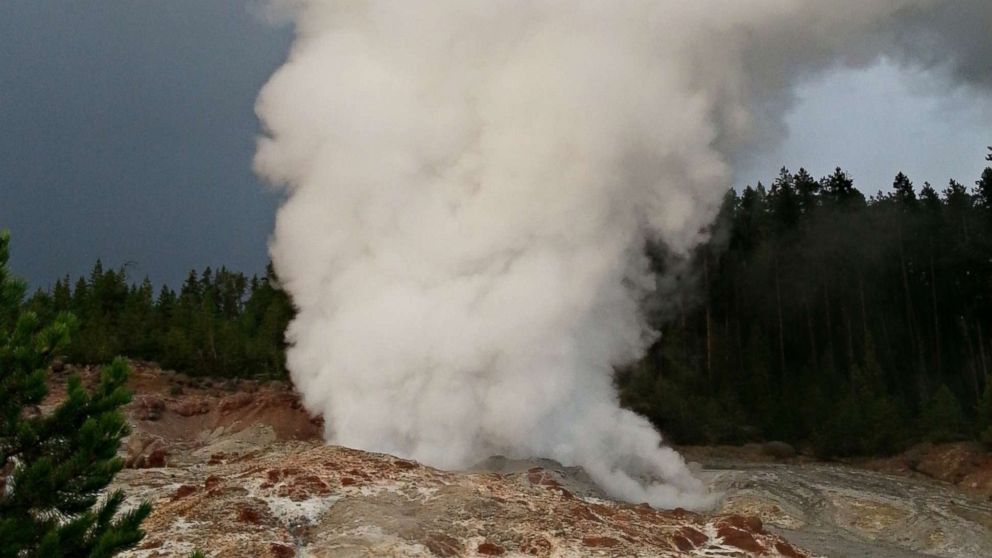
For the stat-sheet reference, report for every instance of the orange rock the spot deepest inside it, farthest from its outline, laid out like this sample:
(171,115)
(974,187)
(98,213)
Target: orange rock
(236,401)
(738,538)
(742,522)
(693,535)
(156,458)
(190,407)
(787,550)
(538,546)
(247,514)
(443,545)
(184,491)
(600,542)
(490,549)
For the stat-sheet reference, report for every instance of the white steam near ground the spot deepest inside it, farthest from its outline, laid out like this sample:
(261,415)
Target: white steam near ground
(471,183)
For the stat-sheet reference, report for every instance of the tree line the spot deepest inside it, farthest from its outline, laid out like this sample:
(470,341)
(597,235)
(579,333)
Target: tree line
(815,315)
(219,323)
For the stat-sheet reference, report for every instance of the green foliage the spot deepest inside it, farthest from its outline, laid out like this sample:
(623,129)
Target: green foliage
(942,418)
(843,324)
(55,465)
(218,324)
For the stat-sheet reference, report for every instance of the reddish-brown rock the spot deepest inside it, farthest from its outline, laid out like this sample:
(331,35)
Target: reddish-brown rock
(183,491)
(739,538)
(442,545)
(148,407)
(600,542)
(490,549)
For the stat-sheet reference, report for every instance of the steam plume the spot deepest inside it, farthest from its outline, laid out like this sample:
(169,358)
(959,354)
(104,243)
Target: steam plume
(471,182)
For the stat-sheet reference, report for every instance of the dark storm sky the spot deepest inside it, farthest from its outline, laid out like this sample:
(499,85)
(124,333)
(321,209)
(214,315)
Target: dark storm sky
(127,131)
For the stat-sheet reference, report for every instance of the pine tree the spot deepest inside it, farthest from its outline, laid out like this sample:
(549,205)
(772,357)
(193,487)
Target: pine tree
(983,186)
(785,203)
(839,189)
(930,198)
(942,418)
(807,189)
(55,465)
(903,193)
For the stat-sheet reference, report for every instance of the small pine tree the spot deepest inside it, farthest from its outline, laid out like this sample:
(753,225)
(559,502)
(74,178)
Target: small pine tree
(942,419)
(53,466)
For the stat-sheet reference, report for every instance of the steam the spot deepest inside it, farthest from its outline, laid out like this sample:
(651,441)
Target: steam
(471,183)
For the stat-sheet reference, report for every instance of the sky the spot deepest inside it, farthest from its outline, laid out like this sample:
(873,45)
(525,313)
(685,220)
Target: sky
(127,131)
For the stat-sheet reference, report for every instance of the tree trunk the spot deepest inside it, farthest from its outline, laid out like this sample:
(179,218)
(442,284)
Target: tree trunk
(864,311)
(971,360)
(910,317)
(814,353)
(981,349)
(936,316)
(781,325)
(850,336)
(830,327)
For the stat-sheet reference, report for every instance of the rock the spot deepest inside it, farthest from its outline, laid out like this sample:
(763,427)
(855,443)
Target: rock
(190,406)
(309,497)
(600,542)
(778,450)
(490,549)
(156,458)
(246,474)
(183,491)
(787,550)
(236,401)
(147,407)
(145,451)
(442,545)
(740,539)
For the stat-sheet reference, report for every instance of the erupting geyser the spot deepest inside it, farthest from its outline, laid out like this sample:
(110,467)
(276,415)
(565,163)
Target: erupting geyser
(471,182)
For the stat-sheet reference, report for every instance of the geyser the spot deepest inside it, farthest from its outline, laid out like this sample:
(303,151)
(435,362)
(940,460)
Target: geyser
(470,184)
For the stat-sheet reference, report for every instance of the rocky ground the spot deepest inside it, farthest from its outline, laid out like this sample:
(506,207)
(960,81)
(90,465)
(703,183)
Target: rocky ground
(237,468)
(929,501)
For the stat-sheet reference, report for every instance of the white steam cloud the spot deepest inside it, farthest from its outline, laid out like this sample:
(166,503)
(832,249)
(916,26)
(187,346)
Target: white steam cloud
(471,183)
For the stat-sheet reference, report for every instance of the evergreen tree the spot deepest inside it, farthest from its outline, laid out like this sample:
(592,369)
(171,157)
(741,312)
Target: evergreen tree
(942,418)
(784,201)
(983,186)
(861,327)
(56,464)
(903,193)
(930,198)
(839,190)
(808,189)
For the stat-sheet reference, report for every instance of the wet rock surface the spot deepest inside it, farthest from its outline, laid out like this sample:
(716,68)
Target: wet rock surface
(840,510)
